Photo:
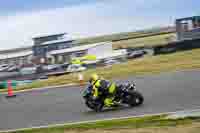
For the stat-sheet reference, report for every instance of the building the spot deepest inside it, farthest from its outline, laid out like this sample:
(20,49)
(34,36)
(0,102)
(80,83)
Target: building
(188,28)
(44,44)
(18,56)
(100,50)
(56,49)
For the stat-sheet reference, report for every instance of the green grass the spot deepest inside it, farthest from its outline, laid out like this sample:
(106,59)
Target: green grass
(130,123)
(150,41)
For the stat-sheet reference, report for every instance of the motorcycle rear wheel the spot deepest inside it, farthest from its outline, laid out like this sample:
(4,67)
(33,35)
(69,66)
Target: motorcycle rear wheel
(136,99)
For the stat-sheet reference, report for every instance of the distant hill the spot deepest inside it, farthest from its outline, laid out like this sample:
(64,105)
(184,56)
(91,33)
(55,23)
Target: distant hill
(127,35)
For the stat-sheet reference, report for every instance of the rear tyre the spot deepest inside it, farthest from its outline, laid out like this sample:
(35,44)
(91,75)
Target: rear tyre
(136,99)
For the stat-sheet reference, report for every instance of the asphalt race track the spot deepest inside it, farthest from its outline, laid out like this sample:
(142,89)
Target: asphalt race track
(166,92)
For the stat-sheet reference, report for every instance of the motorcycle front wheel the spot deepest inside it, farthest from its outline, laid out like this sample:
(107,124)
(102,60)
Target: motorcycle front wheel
(97,107)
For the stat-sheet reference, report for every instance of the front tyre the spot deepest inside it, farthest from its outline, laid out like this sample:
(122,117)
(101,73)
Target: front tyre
(90,105)
(97,107)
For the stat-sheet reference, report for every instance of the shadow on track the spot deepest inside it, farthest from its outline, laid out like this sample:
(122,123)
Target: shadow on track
(113,109)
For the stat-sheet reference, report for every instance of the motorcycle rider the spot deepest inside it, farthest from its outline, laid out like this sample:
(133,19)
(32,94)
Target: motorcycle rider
(104,89)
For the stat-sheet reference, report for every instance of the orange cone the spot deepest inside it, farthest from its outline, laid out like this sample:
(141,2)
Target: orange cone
(10,91)
(81,81)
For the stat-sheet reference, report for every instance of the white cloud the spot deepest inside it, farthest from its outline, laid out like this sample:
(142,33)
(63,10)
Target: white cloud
(79,21)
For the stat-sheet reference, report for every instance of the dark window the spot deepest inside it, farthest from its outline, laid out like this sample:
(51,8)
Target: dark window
(80,54)
(63,45)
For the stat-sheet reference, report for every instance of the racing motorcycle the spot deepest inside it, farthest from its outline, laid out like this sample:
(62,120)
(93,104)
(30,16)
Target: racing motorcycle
(126,94)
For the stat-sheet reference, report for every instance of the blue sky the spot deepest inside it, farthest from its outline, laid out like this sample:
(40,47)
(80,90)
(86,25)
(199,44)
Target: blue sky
(7,7)
(24,19)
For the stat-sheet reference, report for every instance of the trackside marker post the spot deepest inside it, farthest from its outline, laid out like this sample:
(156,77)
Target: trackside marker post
(10,90)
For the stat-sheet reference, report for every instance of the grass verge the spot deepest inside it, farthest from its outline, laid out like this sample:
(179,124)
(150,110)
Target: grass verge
(114,125)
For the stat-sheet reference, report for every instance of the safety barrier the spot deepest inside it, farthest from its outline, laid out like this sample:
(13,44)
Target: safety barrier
(177,46)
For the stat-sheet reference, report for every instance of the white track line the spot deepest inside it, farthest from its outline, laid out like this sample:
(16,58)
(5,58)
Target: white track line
(43,88)
(93,121)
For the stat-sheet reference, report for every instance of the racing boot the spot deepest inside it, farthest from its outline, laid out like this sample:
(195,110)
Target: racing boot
(109,102)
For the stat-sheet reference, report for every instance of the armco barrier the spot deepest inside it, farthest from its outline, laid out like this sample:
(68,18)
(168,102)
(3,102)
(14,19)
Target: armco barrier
(4,84)
(177,46)
(169,48)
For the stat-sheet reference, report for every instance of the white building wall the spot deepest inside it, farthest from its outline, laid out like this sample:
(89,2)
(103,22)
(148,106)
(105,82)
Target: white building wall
(114,53)
(16,57)
(101,49)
